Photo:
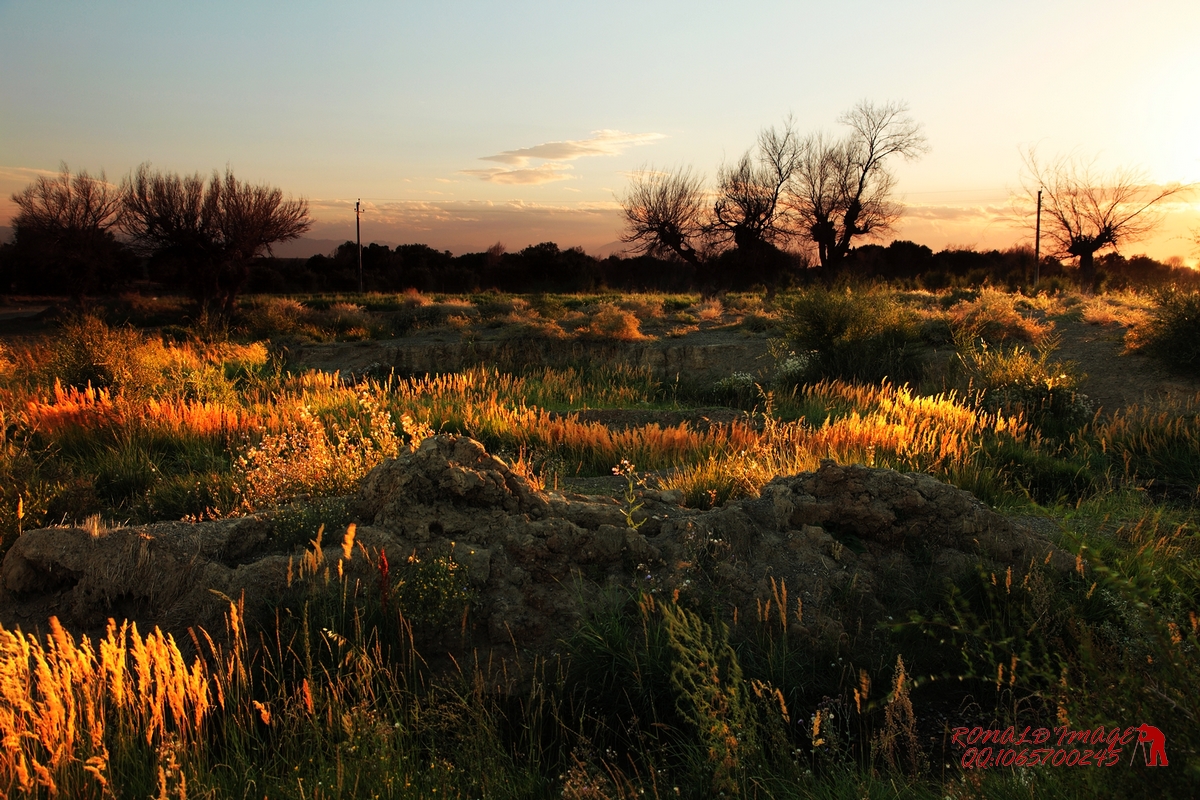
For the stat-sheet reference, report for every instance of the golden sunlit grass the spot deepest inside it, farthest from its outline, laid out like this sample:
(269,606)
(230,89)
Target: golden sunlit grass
(614,323)
(65,704)
(994,317)
(887,426)
(884,425)
(710,310)
(644,307)
(1127,309)
(75,411)
(1153,442)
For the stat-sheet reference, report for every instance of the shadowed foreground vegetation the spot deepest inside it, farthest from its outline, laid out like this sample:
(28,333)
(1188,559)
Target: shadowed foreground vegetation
(109,424)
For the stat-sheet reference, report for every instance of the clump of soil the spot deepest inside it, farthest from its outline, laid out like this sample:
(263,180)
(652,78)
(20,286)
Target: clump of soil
(842,539)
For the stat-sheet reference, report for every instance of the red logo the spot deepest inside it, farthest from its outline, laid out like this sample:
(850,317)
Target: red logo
(1148,734)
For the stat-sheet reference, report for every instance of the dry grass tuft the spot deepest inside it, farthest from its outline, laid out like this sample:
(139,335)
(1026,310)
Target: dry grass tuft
(644,307)
(710,310)
(616,324)
(63,702)
(994,317)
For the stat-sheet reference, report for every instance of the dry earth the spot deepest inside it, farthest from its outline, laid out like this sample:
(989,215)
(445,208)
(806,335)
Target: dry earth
(852,544)
(1117,378)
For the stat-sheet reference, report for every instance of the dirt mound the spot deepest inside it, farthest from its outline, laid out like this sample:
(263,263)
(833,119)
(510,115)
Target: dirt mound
(850,542)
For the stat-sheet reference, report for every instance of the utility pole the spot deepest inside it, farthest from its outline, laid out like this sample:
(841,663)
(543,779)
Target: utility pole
(1037,244)
(358,236)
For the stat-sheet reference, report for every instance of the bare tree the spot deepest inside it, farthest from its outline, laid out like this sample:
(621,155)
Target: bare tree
(1085,211)
(212,231)
(64,234)
(664,213)
(842,188)
(748,210)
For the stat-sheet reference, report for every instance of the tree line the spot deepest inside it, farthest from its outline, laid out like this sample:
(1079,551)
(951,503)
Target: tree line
(547,268)
(81,235)
(809,199)
(791,209)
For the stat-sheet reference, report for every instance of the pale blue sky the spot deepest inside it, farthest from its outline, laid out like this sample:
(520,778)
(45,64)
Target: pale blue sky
(401,103)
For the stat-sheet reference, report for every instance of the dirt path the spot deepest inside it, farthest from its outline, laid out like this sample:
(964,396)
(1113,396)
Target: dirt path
(1116,379)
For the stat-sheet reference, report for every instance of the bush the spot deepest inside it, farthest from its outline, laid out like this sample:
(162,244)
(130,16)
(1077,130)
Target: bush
(858,336)
(739,390)
(309,459)
(616,324)
(994,317)
(1174,331)
(89,352)
(278,316)
(1016,379)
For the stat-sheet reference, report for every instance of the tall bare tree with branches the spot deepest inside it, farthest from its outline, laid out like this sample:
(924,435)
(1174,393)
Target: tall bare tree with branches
(64,235)
(1085,210)
(748,209)
(842,188)
(211,231)
(665,213)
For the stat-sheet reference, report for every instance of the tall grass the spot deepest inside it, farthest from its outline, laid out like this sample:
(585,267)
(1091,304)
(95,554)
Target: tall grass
(877,425)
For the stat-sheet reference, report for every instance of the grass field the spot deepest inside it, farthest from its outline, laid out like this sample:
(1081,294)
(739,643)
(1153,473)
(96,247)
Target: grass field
(126,416)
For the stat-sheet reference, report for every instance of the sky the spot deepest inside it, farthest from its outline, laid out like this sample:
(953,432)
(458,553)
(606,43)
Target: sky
(461,124)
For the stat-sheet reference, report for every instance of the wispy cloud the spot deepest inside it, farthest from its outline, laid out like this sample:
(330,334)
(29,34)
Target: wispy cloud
(602,143)
(24,173)
(532,176)
(519,168)
(979,213)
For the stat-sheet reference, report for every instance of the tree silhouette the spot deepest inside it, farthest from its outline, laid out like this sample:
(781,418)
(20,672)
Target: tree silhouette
(665,213)
(209,232)
(63,236)
(748,210)
(842,188)
(1085,211)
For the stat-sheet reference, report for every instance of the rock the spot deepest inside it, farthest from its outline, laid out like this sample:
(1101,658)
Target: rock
(838,539)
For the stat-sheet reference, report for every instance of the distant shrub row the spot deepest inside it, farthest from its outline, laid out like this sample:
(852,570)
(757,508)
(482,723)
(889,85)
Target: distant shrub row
(547,268)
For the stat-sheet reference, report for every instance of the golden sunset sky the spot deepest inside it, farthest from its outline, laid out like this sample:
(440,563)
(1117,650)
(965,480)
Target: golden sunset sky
(460,124)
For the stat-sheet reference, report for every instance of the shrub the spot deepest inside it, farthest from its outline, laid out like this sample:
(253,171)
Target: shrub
(611,322)
(645,307)
(739,390)
(278,316)
(1173,335)
(994,317)
(791,370)
(301,522)
(1018,380)
(309,459)
(710,310)
(88,351)
(858,336)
